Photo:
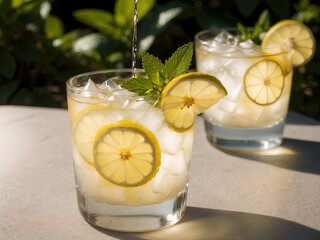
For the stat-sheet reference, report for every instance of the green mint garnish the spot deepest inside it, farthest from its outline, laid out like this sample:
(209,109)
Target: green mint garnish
(260,27)
(159,74)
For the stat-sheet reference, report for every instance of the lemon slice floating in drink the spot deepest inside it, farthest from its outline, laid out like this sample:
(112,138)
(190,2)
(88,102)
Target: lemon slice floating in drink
(188,95)
(126,154)
(87,123)
(293,37)
(263,82)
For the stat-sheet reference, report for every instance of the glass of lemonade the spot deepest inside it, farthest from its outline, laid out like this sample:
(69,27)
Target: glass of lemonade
(131,169)
(258,80)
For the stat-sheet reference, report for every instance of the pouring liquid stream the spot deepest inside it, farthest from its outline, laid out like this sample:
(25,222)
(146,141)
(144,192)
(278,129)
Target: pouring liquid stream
(134,38)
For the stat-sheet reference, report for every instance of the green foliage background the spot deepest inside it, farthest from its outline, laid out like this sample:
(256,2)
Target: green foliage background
(37,54)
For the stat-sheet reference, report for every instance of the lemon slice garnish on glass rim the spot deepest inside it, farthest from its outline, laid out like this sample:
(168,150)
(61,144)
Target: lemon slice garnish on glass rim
(188,95)
(87,123)
(293,37)
(263,82)
(126,154)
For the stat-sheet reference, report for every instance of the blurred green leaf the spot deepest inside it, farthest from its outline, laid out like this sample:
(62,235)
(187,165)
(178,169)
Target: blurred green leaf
(247,7)
(27,51)
(280,8)
(157,22)
(66,41)
(98,19)
(7,63)
(53,27)
(123,11)
(94,41)
(264,20)
(7,90)
(16,3)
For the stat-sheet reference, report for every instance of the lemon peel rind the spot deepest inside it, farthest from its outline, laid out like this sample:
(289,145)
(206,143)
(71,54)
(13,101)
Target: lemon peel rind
(147,134)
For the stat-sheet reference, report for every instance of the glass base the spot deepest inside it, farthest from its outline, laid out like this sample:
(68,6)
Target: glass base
(241,139)
(132,219)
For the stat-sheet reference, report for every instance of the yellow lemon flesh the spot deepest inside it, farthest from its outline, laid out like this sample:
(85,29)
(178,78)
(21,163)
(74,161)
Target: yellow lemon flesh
(126,154)
(188,95)
(290,36)
(87,123)
(263,82)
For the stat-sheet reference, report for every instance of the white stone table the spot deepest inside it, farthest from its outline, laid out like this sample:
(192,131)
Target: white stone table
(268,195)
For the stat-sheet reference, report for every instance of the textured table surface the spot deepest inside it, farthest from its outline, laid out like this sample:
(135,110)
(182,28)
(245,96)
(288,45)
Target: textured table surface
(273,194)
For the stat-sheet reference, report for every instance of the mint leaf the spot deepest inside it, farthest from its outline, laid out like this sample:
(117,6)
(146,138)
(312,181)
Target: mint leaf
(141,86)
(159,74)
(264,20)
(179,62)
(153,68)
(260,26)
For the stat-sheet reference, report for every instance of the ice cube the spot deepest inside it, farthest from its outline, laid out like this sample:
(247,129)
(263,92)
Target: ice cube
(169,184)
(215,115)
(143,195)
(91,92)
(109,85)
(119,98)
(111,194)
(187,144)
(170,141)
(152,119)
(176,164)
(238,66)
(249,110)
(247,44)
(226,105)
(227,38)
(232,84)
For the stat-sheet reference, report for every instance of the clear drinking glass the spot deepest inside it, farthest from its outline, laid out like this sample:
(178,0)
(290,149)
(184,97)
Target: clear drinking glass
(251,117)
(96,100)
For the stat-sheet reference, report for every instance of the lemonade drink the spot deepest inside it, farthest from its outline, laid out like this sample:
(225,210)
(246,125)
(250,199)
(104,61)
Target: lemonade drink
(258,80)
(131,153)
(100,103)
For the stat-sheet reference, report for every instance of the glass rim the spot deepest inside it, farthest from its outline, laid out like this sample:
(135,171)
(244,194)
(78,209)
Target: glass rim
(105,71)
(203,42)
(116,70)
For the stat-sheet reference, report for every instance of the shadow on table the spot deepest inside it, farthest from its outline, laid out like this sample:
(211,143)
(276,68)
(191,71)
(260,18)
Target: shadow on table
(297,118)
(293,154)
(203,223)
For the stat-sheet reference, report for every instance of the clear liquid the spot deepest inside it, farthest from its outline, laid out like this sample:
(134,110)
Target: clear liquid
(134,38)
(132,219)
(244,139)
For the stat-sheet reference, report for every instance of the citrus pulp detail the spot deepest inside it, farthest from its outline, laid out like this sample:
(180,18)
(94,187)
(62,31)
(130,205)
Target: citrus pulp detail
(87,123)
(188,95)
(263,82)
(126,154)
(293,37)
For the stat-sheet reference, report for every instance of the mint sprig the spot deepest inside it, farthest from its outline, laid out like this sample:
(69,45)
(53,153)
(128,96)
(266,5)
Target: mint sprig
(159,74)
(260,26)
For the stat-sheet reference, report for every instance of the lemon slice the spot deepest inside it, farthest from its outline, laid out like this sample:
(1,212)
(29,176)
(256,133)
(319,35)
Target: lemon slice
(263,82)
(87,123)
(126,154)
(290,36)
(188,95)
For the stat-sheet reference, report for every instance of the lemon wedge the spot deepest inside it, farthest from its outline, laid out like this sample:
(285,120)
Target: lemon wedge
(188,95)
(126,154)
(263,82)
(87,123)
(293,37)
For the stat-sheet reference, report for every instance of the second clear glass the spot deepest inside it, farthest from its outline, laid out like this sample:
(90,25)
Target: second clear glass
(239,122)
